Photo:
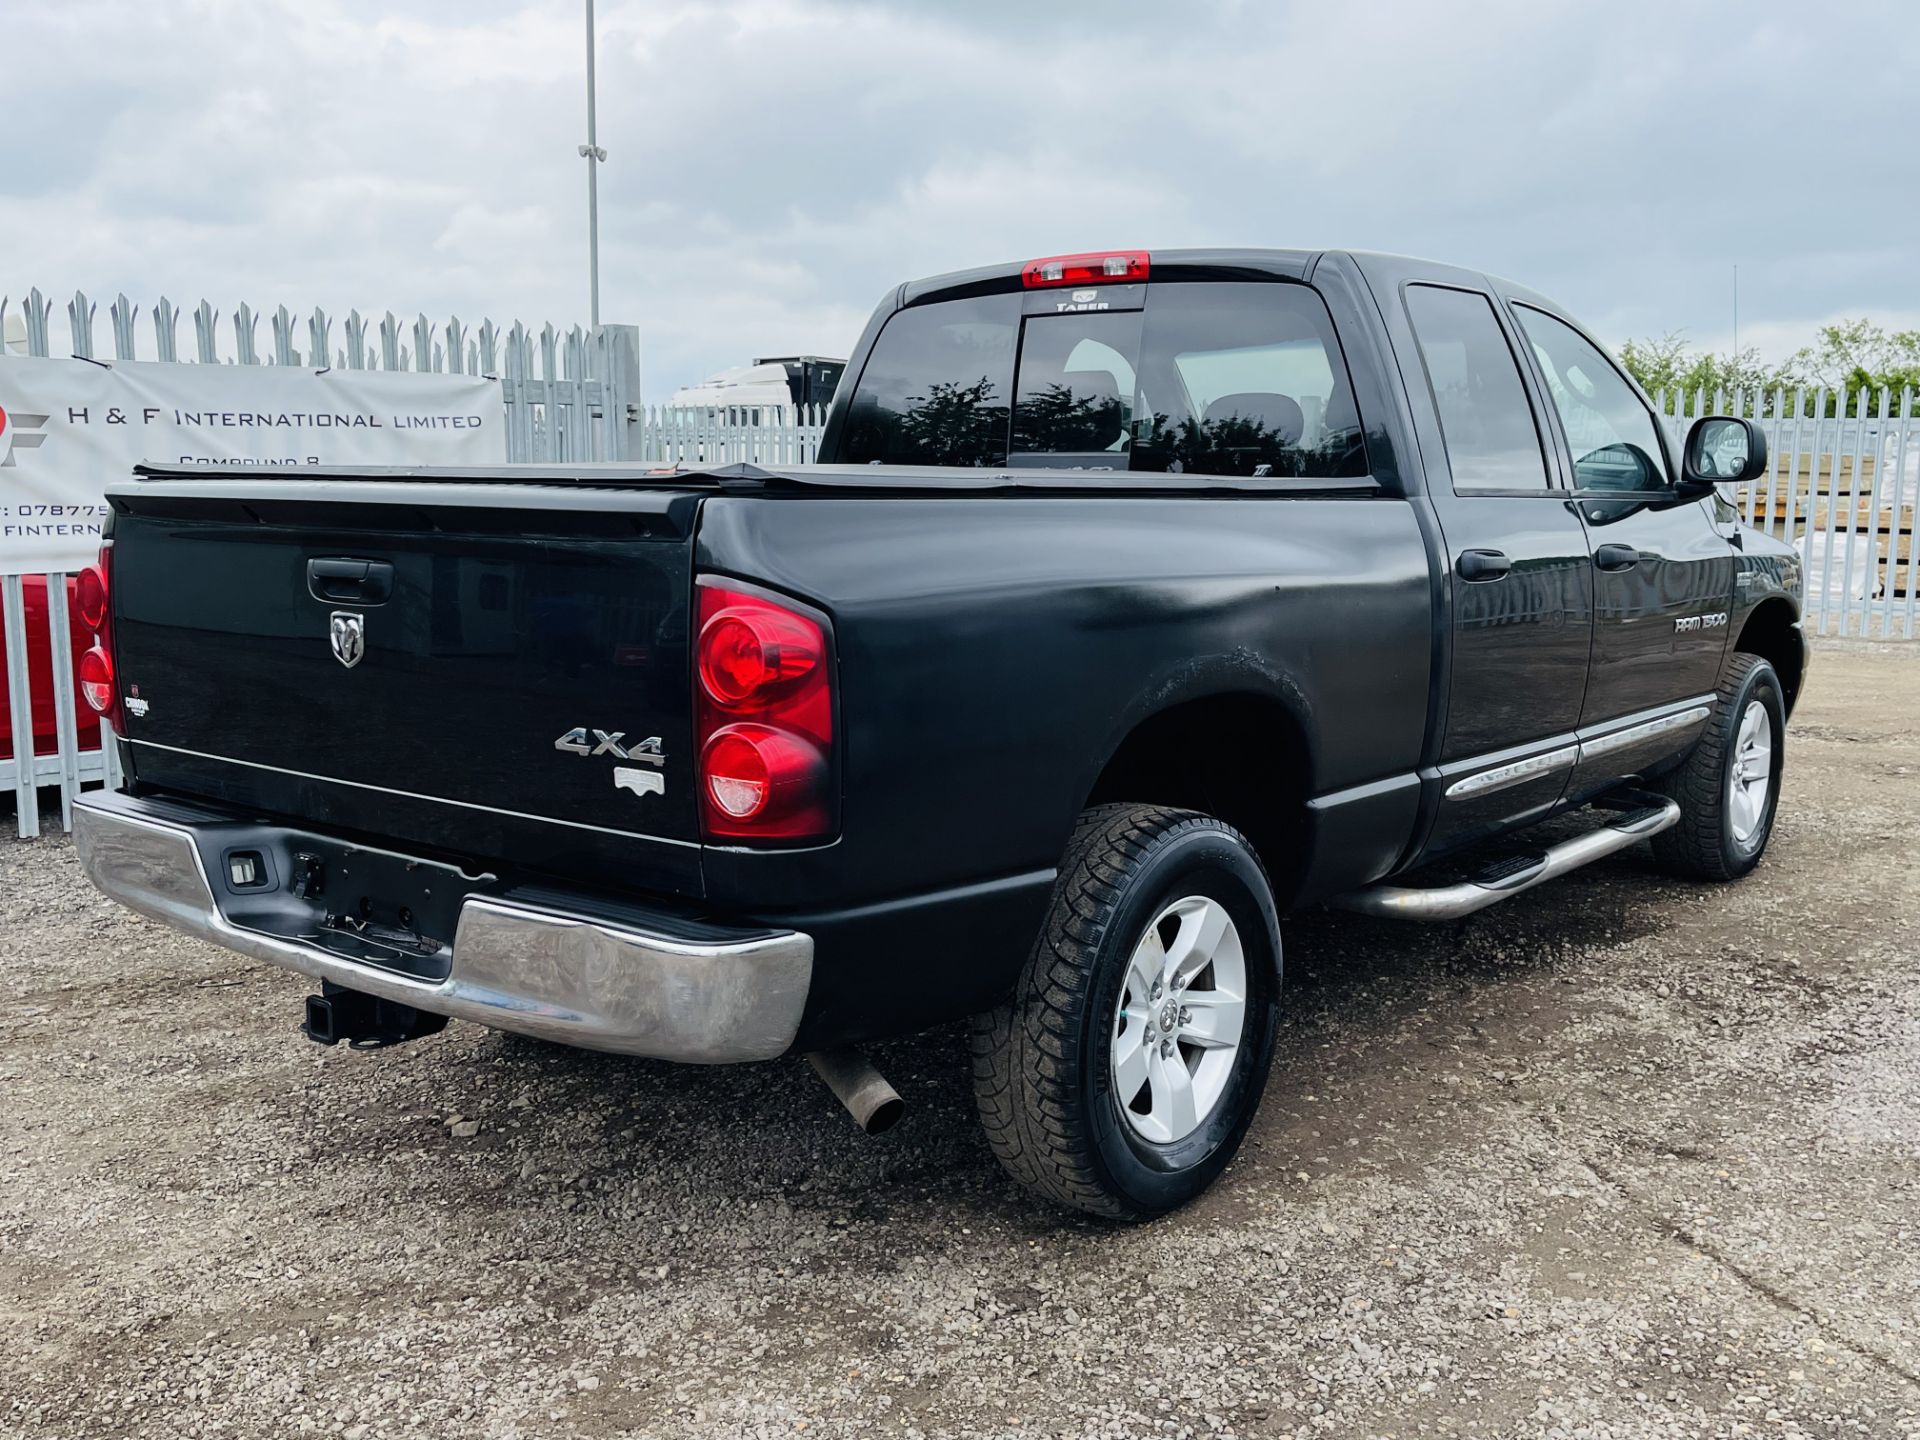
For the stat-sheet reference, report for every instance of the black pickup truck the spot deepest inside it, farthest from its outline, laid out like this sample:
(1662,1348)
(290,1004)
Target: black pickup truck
(1136,600)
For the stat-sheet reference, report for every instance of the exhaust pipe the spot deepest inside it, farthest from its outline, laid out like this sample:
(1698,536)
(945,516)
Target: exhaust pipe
(874,1104)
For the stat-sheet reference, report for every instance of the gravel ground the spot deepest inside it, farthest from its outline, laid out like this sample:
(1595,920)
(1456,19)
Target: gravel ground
(1623,1157)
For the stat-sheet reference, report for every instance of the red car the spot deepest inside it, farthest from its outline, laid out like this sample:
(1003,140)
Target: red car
(40,675)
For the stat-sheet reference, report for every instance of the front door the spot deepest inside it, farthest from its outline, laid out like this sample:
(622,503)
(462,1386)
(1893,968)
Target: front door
(1662,571)
(1522,588)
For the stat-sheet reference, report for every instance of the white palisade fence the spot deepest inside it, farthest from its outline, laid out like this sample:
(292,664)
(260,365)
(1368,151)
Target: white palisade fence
(1842,485)
(568,397)
(717,437)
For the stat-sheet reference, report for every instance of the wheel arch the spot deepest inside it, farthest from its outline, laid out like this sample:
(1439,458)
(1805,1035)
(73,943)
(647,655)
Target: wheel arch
(1772,631)
(1240,755)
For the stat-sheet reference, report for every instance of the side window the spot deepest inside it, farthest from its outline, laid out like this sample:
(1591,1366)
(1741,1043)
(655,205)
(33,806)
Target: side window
(1244,379)
(937,387)
(1492,442)
(1612,435)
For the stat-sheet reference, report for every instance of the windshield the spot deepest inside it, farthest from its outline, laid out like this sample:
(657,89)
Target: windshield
(1215,379)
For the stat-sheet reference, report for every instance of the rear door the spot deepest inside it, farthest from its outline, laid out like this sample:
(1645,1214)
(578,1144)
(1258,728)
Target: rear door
(481,670)
(1662,571)
(1518,570)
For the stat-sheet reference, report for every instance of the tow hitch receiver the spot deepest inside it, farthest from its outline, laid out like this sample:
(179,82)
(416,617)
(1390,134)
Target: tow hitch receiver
(365,1022)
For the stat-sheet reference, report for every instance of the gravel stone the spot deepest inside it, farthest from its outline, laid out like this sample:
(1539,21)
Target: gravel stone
(1623,1157)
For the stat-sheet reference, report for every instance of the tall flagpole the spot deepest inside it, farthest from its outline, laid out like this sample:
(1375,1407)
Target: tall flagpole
(594,156)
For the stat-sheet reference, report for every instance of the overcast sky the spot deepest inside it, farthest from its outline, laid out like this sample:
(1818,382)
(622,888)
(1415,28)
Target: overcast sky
(775,165)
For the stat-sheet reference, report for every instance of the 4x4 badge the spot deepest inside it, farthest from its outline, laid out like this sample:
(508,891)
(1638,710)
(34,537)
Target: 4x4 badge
(576,742)
(347,629)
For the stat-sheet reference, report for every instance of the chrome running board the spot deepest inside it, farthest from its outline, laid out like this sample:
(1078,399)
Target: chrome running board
(1507,878)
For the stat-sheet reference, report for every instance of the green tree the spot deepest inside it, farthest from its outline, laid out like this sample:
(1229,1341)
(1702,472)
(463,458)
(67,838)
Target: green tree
(1670,364)
(1848,357)
(954,424)
(1053,418)
(1857,354)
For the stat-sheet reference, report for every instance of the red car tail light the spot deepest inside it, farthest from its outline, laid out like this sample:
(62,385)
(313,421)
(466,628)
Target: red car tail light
(1106,267)
(96,679)
(754,772)
(90,597)
(92,591)
(763,708)
(750,653)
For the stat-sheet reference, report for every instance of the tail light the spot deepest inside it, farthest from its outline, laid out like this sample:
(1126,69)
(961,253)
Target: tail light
(90,596)
(1109,267)
(764,717)
(92,607)
(96,679)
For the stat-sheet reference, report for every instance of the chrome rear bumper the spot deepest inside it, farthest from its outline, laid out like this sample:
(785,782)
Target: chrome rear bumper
(540,971)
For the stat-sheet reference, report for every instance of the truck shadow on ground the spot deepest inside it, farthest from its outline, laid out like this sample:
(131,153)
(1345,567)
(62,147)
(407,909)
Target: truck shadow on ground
(774,1130)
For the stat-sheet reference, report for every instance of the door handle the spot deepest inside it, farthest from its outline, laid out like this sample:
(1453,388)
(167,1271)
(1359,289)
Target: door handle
(1482,565)
(349,582)
(1616,557)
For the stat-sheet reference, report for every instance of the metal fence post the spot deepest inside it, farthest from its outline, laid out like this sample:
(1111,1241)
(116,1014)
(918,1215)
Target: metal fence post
(66,727)
(1906,520)
(624,421)
(13,602)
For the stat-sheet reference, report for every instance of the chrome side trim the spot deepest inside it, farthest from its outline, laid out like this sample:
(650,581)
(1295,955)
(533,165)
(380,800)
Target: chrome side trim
(1602,739)
(1648,729)
(1451,902)
(1652,712)
(1515,772)
(1334,799)
(543,972)
(415,795)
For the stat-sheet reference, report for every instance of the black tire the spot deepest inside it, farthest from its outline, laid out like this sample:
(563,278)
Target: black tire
(1706,844)
(1041,1062)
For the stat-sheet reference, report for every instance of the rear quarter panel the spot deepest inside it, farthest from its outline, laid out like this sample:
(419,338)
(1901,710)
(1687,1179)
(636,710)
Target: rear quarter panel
(995,650)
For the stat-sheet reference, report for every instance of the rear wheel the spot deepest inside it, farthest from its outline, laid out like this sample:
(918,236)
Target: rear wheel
(1123,1073)
(1729,788)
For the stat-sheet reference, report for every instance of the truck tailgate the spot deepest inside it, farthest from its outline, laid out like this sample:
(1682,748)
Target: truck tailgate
(475,669)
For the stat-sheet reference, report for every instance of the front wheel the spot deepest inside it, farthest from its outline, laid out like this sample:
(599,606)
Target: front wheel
(1123,1073)
(1729,787)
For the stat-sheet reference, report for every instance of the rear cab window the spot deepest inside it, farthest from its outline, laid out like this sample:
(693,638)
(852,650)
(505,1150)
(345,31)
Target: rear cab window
(938,388)
(1229,378)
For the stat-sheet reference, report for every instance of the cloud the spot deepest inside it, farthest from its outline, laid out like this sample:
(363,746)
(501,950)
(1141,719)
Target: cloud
(775,165)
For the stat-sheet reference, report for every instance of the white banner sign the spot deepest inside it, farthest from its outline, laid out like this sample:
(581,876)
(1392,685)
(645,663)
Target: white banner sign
(69,428)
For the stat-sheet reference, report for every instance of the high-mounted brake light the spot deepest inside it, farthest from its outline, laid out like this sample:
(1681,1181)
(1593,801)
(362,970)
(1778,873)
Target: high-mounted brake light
(1109,267)
(763,708)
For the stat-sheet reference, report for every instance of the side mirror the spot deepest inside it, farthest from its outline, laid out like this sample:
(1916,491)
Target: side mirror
(1724,451)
